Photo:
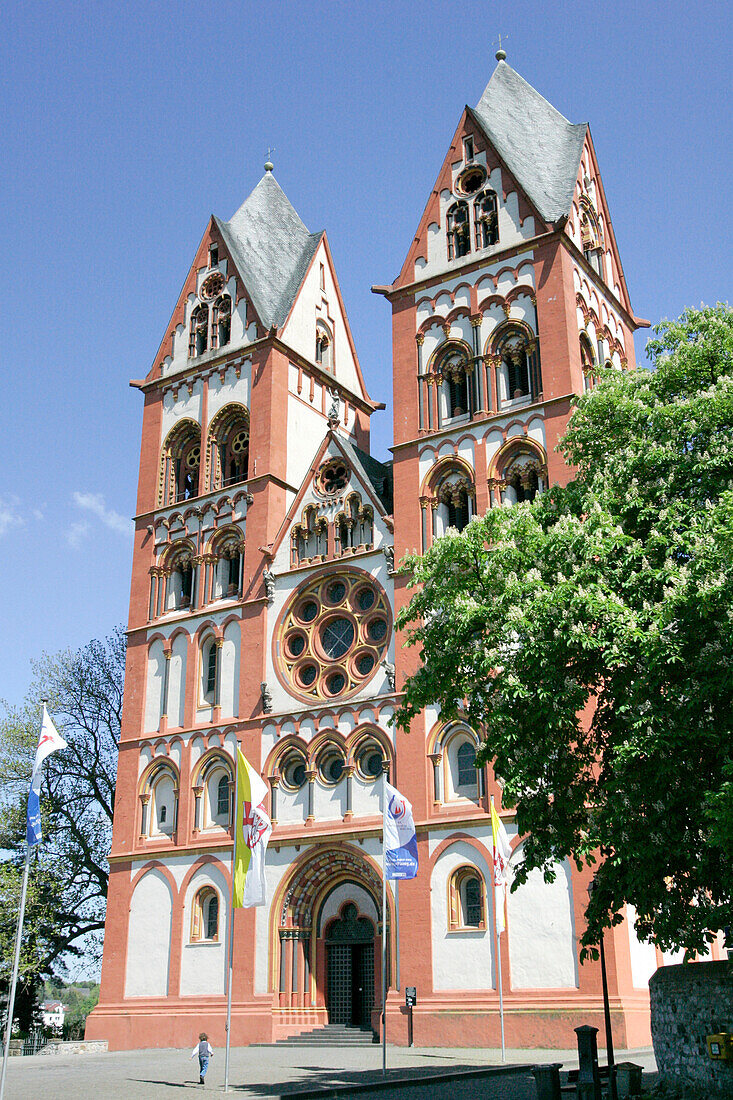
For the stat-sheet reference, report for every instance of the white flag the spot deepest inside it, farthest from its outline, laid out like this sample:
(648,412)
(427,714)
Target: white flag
(502,853)
(49,741)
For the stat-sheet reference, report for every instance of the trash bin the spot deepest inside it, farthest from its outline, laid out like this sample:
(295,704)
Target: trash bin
(628,1079)
(547,1081)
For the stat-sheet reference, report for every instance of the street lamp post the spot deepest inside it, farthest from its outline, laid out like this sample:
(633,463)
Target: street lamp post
(592,885)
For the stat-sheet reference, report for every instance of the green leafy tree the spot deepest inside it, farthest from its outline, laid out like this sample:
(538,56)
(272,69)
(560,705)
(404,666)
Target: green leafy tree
(68,880)
(588,636)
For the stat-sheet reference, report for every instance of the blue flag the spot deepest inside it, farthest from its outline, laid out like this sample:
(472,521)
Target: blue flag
(48,742)
(400,842)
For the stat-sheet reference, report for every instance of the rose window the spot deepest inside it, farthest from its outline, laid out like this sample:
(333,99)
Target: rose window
(333,477)
(332,636)
(212,285)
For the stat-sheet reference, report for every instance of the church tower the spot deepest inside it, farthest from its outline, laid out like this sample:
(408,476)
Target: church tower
(264,594)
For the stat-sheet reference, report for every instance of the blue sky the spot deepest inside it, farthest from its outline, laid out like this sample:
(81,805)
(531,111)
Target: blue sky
(126,125)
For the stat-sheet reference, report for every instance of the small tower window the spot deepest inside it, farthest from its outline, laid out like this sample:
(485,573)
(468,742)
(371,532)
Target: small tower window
(213,255)
(222,797)
(221,322)
(210,681)
(459,237)
(324,347)
(322,277)
(199,336)
(468,151)
(486,219)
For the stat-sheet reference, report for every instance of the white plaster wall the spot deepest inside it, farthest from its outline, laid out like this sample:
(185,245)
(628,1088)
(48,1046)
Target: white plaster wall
(232,390)
(185,406)
(154,686)
(149,938)
(177,680)
(330,802)
(230,661)
(643,953)
(203,965)
(306,429)
(347,891)
(312,302)
(461,960)
(541,928)
(366,796)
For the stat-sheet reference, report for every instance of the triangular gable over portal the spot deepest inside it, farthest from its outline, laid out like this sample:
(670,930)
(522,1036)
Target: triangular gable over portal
(374,478)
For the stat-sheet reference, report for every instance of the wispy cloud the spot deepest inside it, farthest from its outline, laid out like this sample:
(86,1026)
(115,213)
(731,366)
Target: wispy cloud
(10,514)
(77,533)
(94,503)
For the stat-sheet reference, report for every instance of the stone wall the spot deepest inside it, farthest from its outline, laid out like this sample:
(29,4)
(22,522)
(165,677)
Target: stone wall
(689,1002)
(78,1046)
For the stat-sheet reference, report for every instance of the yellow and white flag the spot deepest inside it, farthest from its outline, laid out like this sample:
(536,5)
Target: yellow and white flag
(251,834)
(502,852)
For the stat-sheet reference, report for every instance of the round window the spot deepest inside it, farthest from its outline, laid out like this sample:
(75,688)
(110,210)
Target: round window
(335,592)
(370,762)
(337,637)
(331,767)
(365,599)
(377,630)
(293,773)
(308,611)
(471,180)
(295,644)
(332,635)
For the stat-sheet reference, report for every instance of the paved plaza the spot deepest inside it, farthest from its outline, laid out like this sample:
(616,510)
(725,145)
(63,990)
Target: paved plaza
(264,1073)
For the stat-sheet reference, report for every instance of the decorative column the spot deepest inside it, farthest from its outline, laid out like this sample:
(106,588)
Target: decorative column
(217,686)
(436,758)
(163,722)
(145,810)
(197,792)
(430,395)
(478,381)
(492,379)
(311,777)
(420,340)
(424,522)
(349,774)
(274,785)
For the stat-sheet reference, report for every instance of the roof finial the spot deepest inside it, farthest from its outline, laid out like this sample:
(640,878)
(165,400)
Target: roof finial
(268,163)
(500,53)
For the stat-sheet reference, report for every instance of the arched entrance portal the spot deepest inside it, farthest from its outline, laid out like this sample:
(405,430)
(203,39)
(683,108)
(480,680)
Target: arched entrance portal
(350,968)
(328,963)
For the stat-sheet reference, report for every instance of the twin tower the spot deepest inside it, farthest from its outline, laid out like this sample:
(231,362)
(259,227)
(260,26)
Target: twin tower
(264,595)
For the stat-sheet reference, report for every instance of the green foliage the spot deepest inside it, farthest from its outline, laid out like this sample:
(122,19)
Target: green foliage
(588,636)
(68,879)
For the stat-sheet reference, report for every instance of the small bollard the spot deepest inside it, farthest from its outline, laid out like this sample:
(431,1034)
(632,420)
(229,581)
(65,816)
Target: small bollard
(589,1081)
(547,1080)
(628,1080)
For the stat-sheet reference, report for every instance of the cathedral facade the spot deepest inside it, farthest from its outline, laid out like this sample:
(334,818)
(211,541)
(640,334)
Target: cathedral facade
(264,595)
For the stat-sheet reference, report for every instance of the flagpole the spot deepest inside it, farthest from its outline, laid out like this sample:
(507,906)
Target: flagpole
(498,941)
(384,926)
(397,932)
(233,811)
(16,964)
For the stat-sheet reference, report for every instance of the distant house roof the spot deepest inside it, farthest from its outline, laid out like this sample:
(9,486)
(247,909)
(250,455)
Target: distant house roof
(52,1006)
(538,144)
(272,249)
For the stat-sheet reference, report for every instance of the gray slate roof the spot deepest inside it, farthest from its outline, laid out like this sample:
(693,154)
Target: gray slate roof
(378,474)
(538,145)
(272,249)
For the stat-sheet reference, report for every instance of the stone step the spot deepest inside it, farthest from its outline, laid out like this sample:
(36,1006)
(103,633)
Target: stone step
(329,1035)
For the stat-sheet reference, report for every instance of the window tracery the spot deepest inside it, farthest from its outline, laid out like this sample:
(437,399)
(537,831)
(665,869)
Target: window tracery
(229,447)
(459,231)
(179,574)
(221,321)
(522,473)
(354,527)
(180,463)
(324,346)
(515,357)
(210,670)
(198,340)
(486,219)
(454,368)
(309,537)
(587,362)
(159,802)
(449,500)
(225,559)
(332,636)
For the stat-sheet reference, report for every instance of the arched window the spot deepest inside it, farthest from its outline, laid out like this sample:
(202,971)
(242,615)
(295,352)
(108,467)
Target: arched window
(486,219)
(179,592)
(324,346)
(466,760)
(523,478)
(180,463)
(229,447)
(587,361)
(310,536)
(221,321)
(222,797)
(459,232)
(226,549)
(354,527)
(454,366)
(516,358)
(455,495)
(462,779)
(198,340)
(467,900)
(209,670)
(591,237)
(162,808)
(205,916)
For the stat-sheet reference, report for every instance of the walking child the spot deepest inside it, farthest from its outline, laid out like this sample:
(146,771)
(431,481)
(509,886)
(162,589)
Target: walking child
(205,1051)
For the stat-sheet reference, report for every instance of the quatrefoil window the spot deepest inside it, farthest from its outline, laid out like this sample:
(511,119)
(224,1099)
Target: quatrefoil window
(333,478)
